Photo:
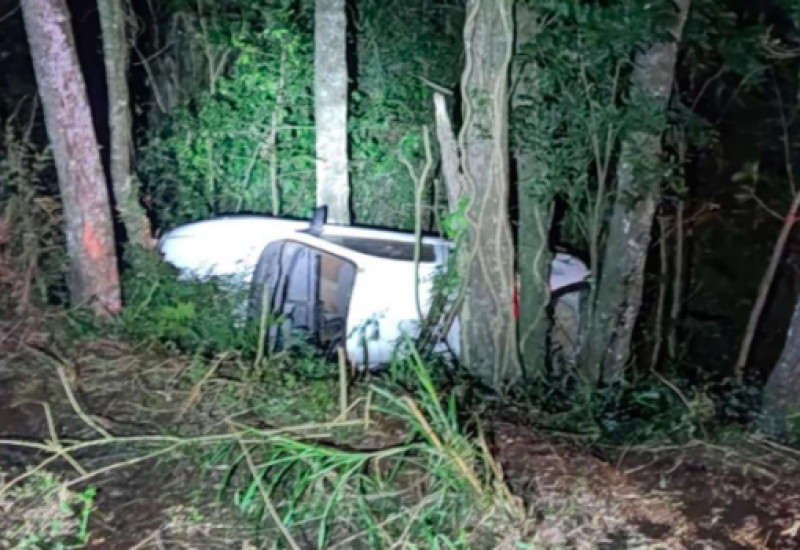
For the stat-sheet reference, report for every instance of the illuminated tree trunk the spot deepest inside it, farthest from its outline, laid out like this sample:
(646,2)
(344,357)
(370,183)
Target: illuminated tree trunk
(533,254)
(782,391)
(330,109)
(115,55)
(619,294)
(488,330)
(93,276)
(781,397)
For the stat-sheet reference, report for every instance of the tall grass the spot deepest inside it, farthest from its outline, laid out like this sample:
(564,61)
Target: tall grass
(437,488)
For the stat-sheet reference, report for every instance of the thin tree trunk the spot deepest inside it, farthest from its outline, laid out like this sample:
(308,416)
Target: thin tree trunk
(488,331)
(87,214)
(116,58)
(620,289)
(451,169)
(677,283)
(663,285)
(276,120)
(533,228)
(330,107)
(619,294)
(781,397)
(765,286)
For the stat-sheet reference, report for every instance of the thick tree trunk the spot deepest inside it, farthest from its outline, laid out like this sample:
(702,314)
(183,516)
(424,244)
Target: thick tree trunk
(619,294)
(782,391)
(488,338)
(89,230)
(330,107)
(533,228)
(620,290)
(113,18)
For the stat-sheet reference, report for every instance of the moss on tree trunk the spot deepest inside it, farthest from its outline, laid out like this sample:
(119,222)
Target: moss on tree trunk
(782,391)
(534,215)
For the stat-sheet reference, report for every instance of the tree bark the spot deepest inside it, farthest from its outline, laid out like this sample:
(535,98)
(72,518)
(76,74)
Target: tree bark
(116,59)
(93,277)
(451,167)
(534,216)
(488,338)
(619,294)
(330,107)
(781,397)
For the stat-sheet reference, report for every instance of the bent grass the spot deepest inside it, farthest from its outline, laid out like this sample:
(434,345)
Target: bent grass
(310,484)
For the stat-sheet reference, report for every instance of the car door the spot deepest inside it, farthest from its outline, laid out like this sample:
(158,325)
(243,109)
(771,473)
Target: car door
(304,294)
(283,293)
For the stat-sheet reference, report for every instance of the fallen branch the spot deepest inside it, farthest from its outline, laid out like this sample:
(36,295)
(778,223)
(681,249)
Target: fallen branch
(62,376)
(197,389)
(173,443)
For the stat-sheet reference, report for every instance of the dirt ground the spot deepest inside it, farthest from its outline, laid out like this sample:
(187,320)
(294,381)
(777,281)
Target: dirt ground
(697,496)
(694,496)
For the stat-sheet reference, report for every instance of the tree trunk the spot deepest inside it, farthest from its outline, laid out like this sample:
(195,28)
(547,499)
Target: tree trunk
(93,274)
(533,228)
(330,107)
(116,58)
(620,289)
(782,391)
(619,294)
(451,167)
(488,337)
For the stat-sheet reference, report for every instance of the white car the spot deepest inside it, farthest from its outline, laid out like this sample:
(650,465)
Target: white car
(339,285)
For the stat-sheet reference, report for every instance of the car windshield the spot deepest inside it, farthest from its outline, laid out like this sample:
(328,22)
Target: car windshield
(384,248)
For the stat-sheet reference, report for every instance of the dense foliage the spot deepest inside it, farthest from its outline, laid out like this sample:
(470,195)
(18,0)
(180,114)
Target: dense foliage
(241,139)
(405,50)
(583,106)
(231,129)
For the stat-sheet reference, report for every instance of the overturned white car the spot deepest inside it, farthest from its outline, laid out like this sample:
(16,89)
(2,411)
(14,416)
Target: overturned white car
(340,285)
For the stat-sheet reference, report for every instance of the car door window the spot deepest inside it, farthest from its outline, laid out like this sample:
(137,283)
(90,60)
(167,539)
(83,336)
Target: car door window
(309,289)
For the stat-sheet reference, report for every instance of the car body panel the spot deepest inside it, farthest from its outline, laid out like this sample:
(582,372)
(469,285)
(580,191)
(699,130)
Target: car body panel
(224,247)
(383,303)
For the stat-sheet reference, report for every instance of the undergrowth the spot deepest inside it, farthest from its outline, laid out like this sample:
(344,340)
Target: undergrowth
(32,247)
(653,409)
(193,316)
(53,517)
(435,488)
(402,464)
(206,320)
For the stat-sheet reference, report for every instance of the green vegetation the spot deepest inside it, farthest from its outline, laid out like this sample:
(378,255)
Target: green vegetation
(55,518)
(363,498)
(233,129)
(406,50)
(31,237)
(241,137)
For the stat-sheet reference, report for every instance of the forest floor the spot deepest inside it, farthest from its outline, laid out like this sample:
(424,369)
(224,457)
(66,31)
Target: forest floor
(107,416)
